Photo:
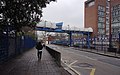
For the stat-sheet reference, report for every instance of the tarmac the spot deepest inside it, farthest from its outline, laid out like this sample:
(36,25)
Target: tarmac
(28,64)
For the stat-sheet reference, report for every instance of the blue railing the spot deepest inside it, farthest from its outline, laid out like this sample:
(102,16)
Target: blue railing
(11,46)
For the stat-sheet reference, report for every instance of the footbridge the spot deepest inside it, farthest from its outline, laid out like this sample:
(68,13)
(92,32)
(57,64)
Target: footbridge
(58,27)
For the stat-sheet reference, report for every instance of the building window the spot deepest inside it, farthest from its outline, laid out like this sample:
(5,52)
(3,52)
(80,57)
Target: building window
(118,12)
(107,26)
(101,31)
(107,3)
(119,6)
(101,8)
(101,25)
(101,19)
(101,13)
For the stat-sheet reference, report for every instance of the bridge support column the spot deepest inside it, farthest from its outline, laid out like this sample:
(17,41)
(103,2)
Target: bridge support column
(70,39)
(82,42)
(88,40)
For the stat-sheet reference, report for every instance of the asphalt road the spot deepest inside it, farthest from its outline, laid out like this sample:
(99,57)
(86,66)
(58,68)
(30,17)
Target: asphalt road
(85,63)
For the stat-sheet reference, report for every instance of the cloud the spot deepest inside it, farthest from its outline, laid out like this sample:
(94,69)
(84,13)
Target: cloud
(71,12)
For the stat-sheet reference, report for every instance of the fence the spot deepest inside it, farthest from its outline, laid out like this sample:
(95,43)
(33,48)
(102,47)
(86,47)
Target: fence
(3,47)
(100,45)
(12,46)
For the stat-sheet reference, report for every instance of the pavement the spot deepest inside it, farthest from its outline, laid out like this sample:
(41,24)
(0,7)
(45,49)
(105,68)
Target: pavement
(28,64)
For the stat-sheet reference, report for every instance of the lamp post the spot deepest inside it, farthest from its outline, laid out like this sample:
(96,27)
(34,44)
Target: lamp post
(45,32)
(68,27)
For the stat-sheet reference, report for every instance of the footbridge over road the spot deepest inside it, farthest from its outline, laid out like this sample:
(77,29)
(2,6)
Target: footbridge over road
(58,27)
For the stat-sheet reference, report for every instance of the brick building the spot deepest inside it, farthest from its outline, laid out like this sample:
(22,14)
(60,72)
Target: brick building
(115,17)
(97,16)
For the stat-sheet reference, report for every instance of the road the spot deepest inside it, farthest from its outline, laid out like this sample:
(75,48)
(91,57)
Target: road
(85,63)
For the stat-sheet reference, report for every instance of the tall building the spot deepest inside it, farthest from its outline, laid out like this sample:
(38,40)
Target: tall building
(97,16)
(115,17)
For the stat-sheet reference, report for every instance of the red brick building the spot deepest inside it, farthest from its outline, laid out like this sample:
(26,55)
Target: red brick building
(97,16)
(92,14)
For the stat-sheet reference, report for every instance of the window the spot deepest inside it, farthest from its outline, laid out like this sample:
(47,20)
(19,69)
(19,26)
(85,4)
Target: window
(119,6)
(107,9)
(113,13)
(115,19)
(100,25)
(117,13)
(119,18)
(101,19)
(107,2)
(101,13)
(107,26)
(119,24)
(101,8)
(101,30)
(107,29)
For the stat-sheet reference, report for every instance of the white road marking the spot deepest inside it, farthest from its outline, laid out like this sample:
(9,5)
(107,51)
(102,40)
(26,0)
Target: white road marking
(83,67)
(73,63)
(69,66)
(83,56)
(92,69)
(93,59)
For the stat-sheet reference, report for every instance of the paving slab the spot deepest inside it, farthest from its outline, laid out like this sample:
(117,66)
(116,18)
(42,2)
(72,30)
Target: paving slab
(28,64)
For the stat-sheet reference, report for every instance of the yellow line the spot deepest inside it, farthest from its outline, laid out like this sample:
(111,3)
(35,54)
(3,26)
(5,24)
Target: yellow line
(69,66)
(93,71)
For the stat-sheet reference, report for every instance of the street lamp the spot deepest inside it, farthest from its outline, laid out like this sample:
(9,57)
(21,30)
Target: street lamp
(68,27)
(45,32)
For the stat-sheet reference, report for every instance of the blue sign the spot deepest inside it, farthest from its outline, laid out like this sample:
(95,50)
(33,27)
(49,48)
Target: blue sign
(59,25)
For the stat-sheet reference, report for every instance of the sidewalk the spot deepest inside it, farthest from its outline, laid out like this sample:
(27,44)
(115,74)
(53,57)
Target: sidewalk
(28,64)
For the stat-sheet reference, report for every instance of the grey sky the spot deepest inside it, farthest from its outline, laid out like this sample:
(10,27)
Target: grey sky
(71,12)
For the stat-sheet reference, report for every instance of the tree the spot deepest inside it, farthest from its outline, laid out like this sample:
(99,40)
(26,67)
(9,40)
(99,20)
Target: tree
(18,13)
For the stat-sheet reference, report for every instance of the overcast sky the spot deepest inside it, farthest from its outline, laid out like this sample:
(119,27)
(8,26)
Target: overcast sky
(71,12)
